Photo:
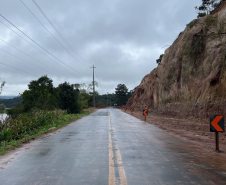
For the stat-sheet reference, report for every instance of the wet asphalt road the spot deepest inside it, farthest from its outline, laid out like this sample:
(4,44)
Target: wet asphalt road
(112,147)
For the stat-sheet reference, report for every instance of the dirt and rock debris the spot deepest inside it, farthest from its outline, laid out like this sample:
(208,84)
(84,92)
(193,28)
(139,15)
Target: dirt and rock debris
(194,130)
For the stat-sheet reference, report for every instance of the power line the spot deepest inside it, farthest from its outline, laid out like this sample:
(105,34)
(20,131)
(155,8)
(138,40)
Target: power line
(50,32)
(18,69)
(38,44)
(59,32)
(31,44)
(23,60)
(25,54)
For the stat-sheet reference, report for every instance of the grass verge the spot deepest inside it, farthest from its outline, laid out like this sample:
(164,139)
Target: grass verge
(60,122)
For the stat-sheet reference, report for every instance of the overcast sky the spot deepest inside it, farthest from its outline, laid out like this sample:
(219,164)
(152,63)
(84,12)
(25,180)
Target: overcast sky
(122,38)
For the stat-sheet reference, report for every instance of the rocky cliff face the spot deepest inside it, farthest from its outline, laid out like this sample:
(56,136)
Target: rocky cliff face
(191,79)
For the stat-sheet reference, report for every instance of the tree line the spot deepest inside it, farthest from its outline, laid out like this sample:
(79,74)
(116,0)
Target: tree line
(120,97)
(42,95)
(73,98)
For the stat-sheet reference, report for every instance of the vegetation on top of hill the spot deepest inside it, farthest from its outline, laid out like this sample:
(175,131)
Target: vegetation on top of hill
(158,61)
(207,7)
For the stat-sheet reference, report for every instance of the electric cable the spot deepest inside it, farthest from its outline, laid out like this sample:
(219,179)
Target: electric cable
(23,60)
(25,54)
(31,44)
(51,33)
(38,44)
(59,32)
(18,69)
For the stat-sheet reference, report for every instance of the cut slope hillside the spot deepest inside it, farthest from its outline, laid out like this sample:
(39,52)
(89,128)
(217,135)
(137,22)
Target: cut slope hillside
(191,79)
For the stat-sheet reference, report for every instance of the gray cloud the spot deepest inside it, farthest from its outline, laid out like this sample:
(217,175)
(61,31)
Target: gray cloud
(122,39)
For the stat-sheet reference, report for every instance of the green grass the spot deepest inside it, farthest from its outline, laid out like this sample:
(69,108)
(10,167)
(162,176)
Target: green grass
(211,21)
(192,23)
(61,121)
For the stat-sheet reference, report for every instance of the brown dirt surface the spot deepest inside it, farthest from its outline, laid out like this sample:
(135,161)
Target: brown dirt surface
(194,130)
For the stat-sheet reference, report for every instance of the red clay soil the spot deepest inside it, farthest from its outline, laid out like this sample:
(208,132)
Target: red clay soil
(194,130)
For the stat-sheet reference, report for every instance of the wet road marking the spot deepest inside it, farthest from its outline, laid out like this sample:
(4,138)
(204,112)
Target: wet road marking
(122,175)
(111,180)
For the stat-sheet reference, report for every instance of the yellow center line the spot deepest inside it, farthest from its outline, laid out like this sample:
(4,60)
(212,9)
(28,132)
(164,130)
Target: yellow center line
(111,180)
(122,175)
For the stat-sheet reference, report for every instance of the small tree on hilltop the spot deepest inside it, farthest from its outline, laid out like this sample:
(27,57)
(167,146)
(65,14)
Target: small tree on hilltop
(207,7)
(158,61)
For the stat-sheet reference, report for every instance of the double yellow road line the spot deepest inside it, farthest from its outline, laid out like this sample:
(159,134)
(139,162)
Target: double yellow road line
(121,171)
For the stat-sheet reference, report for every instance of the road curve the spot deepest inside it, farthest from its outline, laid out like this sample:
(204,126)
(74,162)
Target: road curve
(112,147)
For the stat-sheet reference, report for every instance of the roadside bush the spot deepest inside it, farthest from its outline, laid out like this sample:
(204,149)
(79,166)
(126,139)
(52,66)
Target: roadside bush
(28,124)
(15,111)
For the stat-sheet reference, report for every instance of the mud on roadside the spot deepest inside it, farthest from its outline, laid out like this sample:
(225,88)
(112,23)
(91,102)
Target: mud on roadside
(194,130)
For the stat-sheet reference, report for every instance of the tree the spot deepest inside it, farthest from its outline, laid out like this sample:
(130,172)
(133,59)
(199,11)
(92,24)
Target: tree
(40,94)
(105,99)
(84,100)
(1,86)
(121,94)
(131,92)
(86,94)
(68,98)
(207,7)
(2,107)
(90,87)
(158,61)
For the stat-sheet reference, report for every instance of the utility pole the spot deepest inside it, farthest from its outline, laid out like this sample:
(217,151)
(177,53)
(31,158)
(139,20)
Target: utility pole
(107,99)
(93,87)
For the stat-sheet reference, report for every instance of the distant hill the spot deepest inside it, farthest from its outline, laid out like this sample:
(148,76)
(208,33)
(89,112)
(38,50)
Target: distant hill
(7,97)
(9,103)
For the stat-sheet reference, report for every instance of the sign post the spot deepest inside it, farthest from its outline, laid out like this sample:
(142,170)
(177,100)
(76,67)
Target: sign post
(145,113)
(217,140)
(217,125)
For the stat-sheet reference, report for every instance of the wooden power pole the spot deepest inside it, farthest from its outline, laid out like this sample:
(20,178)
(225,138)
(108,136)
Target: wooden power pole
(107,99)
(93,88)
